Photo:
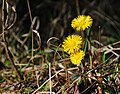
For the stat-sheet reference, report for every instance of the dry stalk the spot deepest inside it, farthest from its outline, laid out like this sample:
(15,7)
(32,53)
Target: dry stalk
(5,44)
(10,58)
(3,3)
(31,28)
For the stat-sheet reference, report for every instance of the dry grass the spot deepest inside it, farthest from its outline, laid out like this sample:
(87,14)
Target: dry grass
(32,60)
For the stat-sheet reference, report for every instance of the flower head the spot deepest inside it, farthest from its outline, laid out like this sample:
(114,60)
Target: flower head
(82,22)
(77,57)
(72,44)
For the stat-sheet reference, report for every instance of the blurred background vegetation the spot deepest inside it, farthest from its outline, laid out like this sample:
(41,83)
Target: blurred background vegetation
(55,18)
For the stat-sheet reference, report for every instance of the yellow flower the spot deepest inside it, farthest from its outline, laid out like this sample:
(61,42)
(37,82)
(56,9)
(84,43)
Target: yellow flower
(82,22)
(72,44)
(77,57)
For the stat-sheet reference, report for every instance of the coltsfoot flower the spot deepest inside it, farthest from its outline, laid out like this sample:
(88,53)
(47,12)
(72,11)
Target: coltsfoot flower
(72,44)
(77,57)
(82,22)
